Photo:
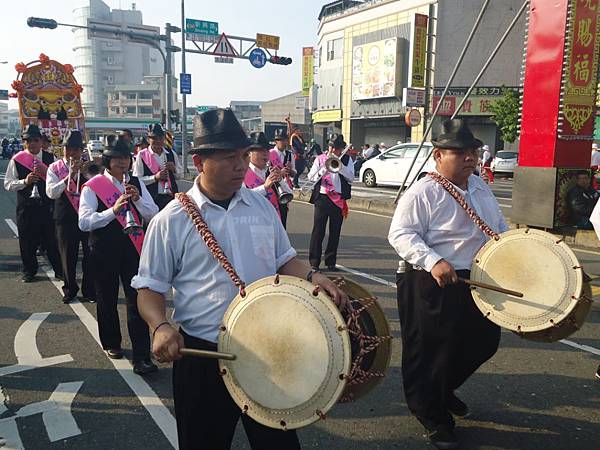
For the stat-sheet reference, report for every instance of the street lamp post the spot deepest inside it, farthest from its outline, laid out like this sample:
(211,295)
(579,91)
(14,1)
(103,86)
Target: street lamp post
(149,39)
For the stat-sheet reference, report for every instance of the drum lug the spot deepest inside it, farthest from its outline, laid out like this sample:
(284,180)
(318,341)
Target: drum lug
(283,425)
(320,414)
(341,328)
(519,332)
(223,372)
(245,409)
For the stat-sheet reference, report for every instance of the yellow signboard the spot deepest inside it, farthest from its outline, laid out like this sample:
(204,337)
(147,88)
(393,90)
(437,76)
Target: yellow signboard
(375,69)
(267,41)
(332,115)
(308,62)
(418,51)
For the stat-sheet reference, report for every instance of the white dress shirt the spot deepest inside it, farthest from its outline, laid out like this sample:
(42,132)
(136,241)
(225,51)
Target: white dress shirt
(318,170)
(595,160)
(429,225)
(89,217)
(138,166)
(55,186)
(11,178)
(175,256)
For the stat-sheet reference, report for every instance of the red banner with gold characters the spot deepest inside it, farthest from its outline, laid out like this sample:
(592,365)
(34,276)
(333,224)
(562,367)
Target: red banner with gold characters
(576,116)
(49,96)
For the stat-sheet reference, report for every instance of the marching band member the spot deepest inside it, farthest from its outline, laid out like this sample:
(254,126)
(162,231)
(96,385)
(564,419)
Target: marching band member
(26,175)
(64,181)
(330,192)
(105,203)
(158,168)
(259,177)
(175,257)
(281,158)
(445,338)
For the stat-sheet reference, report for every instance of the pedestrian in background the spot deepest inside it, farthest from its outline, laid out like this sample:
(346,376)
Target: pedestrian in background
(582,199)
(486,163)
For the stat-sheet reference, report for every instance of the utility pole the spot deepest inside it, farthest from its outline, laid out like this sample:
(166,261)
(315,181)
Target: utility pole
(184,140)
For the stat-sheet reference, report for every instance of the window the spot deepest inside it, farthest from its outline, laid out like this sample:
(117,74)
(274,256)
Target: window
(395,153)
(131,96)
(410,152)
(109,60)
(145,109)
(334,49)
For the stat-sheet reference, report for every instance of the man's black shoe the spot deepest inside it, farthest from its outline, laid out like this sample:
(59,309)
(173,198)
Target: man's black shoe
(598,373)
(315,268)
(114,353)
(28,278)
(67,299)
(332,269)
(457,407)
(443,439)
(144,367)
(87,299)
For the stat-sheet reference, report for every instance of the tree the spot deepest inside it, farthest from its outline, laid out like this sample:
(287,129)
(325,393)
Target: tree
(506,114)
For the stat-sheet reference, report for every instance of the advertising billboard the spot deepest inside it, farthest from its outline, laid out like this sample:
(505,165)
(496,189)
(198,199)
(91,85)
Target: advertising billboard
(376,70)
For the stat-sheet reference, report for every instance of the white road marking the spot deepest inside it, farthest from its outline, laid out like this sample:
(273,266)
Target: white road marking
(148,398)
(26,350)
(56,414)
(592,252)
(585,348)
(3,401)
(12,226)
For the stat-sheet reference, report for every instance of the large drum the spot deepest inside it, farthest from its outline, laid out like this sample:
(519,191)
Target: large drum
(556,293)
(295,354)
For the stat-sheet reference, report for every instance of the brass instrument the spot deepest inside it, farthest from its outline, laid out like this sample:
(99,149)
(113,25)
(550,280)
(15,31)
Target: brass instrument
(333,164)
(283,197)
(165,184)
(131,226)
(35,193)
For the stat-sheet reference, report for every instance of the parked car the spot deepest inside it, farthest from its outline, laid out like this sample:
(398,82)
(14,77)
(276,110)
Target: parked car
(390,167)
(95,147)
(504,161)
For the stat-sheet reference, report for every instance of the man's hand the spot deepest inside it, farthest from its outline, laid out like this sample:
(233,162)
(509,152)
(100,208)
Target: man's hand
(166,344)
(121,201)
(75,167)
(274,177)
(444,273)
(32,178)
(132,192)
(170,166)
(339,297)
(161,175)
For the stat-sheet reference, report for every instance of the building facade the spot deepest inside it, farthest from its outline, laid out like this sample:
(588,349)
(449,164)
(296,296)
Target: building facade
(275,111)
(3,119)
(100,64)
(248,113)
(142,101)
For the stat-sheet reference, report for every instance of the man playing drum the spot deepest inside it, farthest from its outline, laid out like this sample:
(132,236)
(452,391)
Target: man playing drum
(174,256)
(445,338)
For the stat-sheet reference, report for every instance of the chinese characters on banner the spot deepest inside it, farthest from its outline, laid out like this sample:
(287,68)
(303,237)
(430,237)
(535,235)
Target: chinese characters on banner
(478,104)
(581,61)
(307,69)
(418,51)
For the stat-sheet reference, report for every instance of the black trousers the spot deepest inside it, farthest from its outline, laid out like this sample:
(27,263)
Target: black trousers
(445,338)
(283,210)
(300,167)
(325,210)
(69,237)
(162,200)
(110,266)
(207,415)
(36,227)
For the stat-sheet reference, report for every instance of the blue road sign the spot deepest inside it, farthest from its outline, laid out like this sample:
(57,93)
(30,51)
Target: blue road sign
(185,83)
(258,58)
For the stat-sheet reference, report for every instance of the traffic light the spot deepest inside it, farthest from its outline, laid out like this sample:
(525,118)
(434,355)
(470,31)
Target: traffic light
(284,61)
(38,22)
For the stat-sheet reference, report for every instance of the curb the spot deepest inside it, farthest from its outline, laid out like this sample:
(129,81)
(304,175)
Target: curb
(570,235)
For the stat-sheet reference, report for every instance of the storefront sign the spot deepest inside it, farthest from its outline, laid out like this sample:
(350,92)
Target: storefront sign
(478,103)
(308,58)
(418,51)
(374,70)
(332,115)
(413,97)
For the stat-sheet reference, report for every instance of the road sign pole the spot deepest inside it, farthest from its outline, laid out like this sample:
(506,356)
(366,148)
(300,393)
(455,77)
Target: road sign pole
(168,77)
(184,140)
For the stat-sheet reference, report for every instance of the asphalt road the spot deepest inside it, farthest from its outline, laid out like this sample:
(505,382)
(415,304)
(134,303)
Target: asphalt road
(65,393)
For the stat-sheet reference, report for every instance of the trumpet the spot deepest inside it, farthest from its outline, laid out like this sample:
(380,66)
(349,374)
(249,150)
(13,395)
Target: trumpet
(35,193)
(333,164)
(131,226)
(283,196)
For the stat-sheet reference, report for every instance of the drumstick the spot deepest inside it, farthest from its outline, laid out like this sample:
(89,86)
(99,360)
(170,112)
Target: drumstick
(206,354)
(490,287)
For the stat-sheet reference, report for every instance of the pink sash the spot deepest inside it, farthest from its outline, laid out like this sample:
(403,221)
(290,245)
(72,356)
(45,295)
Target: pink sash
(28,161)
(327,184)
(252,181)
(61,170)
(108,193)
(152,164)
(276,162)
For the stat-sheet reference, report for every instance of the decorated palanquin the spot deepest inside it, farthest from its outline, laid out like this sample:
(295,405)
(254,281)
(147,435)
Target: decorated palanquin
(49,96)
(559,107)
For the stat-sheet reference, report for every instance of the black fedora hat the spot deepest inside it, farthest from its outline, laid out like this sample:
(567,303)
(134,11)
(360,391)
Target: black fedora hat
(259,141)
(281,134)
(337,141)
(456,135)
(218,129)
(73,139)
(31,131)
(156,130)
(118,148)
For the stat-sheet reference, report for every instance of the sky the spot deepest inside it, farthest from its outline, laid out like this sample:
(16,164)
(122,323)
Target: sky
(295,21)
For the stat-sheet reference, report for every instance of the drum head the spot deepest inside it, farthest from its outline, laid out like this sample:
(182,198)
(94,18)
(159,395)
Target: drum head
(292,352)
(535,263)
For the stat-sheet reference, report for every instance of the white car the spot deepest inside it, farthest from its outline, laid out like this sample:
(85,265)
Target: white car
(390,167)
(95,146)
(504,161)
